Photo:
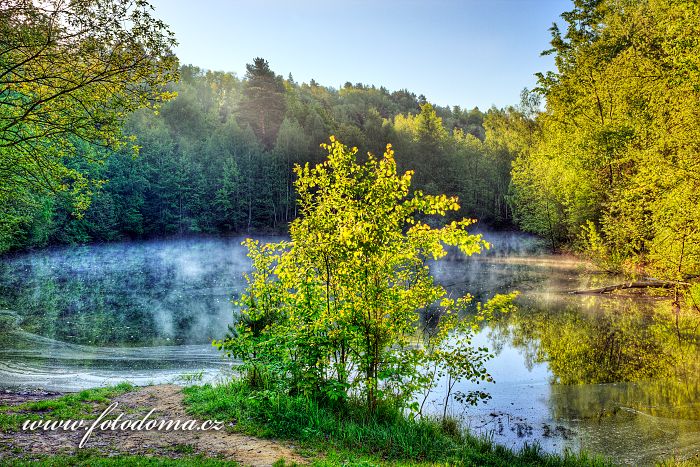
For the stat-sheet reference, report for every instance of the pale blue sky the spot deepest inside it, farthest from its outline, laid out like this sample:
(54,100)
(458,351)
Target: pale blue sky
(468,53)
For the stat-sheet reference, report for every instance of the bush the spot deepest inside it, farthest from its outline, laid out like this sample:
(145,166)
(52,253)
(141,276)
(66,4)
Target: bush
(335,311)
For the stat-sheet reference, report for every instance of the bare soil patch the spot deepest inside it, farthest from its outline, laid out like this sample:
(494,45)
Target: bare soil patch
(166,400)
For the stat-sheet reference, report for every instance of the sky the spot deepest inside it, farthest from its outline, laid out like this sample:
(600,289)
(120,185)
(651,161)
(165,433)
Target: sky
(468,53)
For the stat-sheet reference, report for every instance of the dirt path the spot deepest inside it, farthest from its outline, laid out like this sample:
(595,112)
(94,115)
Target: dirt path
(167,402)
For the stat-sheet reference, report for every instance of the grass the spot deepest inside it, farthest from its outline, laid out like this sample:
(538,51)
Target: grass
(347,435)
(330,436)
(85,405)
(692,462)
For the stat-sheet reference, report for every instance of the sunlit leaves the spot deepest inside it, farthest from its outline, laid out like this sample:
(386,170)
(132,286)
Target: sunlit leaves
(614,163)
(334,312)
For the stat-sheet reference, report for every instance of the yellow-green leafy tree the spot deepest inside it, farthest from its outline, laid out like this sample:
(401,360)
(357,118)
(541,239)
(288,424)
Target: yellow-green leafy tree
(617,159)
(334,312)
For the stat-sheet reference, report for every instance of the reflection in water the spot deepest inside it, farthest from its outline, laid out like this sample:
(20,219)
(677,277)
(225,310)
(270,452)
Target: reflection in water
(616,376)
(144,312)
(619,376)
(29,360)
(595,340)
(135,294)
(646,354)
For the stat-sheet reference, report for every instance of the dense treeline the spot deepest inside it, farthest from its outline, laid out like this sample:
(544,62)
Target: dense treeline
(70,74)
(610,166)
(613,163)
(218,158)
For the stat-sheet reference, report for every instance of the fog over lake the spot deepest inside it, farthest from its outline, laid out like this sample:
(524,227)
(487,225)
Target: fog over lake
(613,375)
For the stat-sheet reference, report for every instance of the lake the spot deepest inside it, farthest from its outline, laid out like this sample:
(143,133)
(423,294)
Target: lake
(618,376)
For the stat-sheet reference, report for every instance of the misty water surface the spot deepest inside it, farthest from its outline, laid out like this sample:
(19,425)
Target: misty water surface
(616,376)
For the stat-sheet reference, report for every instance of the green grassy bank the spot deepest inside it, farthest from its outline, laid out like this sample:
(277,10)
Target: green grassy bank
(348,435)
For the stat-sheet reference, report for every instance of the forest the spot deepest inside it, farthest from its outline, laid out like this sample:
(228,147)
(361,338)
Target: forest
(218,159)
(612,164)
(347,335)
(601,158)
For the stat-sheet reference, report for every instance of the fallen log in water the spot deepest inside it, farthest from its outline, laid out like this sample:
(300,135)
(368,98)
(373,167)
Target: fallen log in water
(647,284)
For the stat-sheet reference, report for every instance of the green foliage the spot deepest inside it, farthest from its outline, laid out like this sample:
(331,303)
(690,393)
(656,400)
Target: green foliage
(263,105)
(617,143)
(70,73)
(333,312)
(351,436)
(595,248)
(218,158)
(442,159)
